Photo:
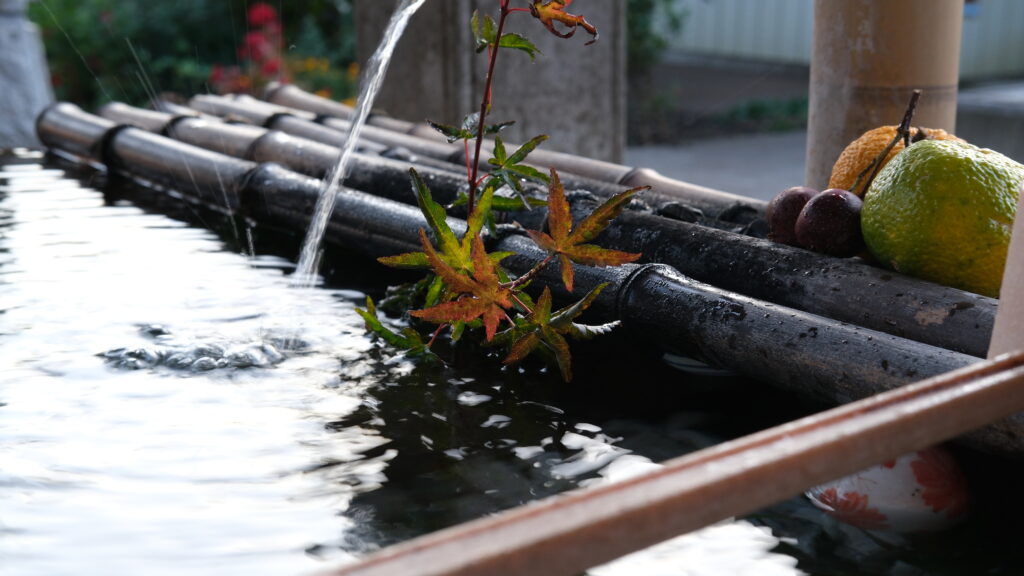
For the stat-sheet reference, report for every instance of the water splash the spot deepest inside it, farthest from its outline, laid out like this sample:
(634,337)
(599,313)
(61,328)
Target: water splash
(305,273)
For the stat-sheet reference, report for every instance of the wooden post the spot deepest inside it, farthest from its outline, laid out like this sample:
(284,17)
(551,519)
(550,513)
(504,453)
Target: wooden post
(1008,332)
(866,58)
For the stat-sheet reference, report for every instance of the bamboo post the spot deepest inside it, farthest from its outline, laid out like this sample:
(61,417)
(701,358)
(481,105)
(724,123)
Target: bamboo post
(867,56)
(1008,331)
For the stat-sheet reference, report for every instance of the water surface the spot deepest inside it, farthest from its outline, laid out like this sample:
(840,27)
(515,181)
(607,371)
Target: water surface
(170,404)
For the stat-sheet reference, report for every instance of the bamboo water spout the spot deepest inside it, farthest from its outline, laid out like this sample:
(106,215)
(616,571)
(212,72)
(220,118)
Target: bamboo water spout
(816,356)
(843,289)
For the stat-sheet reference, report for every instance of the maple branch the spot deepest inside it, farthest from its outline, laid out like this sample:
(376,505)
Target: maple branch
(515,284)
(527,309)
(433,337)
(485,103)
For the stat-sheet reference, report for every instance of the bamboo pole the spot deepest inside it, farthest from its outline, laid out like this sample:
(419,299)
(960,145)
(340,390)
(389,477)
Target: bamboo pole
(566,534)
(843,289)
(713,202)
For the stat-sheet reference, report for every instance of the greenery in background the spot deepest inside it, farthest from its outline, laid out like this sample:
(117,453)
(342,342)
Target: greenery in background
(651,24)
(768,115)
(89,45)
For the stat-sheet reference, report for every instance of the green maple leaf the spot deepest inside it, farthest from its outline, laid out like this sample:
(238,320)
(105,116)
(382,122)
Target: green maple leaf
(408,339)
(469,128)
(570,244)
(485,32)
(455,252)
(481,294)
(551,11)
(508,169)
(544,331)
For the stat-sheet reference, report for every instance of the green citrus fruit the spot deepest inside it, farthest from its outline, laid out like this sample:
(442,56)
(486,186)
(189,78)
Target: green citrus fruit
(943,210)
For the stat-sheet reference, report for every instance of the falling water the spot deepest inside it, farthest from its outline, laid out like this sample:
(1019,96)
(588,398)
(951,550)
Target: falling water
(305,273)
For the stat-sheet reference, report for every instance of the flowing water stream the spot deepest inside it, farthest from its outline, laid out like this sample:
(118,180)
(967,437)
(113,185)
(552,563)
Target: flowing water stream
(376,70)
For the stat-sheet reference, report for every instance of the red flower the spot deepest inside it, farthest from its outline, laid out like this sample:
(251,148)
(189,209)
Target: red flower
(271,67)
(261,14)
(852,508)
(256,47)
(945,487)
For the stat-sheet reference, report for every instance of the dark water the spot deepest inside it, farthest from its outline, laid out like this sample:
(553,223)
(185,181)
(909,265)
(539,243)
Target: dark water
(169,404)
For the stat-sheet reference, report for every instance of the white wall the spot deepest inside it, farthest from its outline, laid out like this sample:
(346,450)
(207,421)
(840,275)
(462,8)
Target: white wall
(780,31)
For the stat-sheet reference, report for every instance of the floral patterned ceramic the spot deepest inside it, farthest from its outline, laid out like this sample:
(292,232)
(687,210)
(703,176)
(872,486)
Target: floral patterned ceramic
(920,492)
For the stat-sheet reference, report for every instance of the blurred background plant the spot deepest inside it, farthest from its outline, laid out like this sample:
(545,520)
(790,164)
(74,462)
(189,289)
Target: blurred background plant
(103,50)
(129,50)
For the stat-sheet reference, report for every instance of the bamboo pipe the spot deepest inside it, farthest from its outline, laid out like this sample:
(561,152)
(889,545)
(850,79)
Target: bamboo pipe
(713,202)
(569,533)
(816,356)
(842,289)
(296,98)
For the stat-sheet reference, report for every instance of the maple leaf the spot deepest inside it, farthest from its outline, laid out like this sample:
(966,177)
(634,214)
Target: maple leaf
(468,130)
(486,35)
(551,11)
(482,294)
(569,243)
(508,169)
(408,339)
(546,331)
(455,252)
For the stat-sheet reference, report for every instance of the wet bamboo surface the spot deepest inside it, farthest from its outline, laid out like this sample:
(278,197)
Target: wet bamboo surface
(844,289)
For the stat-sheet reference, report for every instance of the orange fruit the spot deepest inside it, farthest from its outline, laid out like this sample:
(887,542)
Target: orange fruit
(943,211)
(860,153)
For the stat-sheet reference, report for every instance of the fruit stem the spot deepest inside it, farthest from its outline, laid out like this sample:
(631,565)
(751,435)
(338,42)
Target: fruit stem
(902,133)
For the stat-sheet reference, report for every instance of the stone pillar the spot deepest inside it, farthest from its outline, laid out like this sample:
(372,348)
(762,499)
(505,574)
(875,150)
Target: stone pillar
(573,93)
(24,77)
(867,57)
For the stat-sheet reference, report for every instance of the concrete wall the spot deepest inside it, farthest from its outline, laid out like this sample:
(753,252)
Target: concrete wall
(573,93)
(24,77)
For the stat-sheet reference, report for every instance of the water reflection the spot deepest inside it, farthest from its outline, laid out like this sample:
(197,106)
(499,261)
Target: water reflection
(156,470)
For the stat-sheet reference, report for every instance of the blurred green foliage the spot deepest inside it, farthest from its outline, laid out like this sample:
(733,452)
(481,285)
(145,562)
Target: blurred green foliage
(102,50)
(131,50)
(650,24)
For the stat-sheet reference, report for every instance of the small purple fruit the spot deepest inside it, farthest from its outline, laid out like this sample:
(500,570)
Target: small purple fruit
(782,213)
(830,224)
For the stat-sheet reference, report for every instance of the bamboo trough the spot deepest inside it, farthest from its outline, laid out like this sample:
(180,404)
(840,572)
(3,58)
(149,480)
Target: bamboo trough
(843,289)
(885,413)
(820,357)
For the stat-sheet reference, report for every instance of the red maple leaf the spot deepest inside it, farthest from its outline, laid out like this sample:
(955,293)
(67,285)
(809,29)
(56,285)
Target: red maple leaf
(480,295)
(551,11)
(569,243)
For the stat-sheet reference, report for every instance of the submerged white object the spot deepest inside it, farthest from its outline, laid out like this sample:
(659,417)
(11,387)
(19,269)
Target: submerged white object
(924,491)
